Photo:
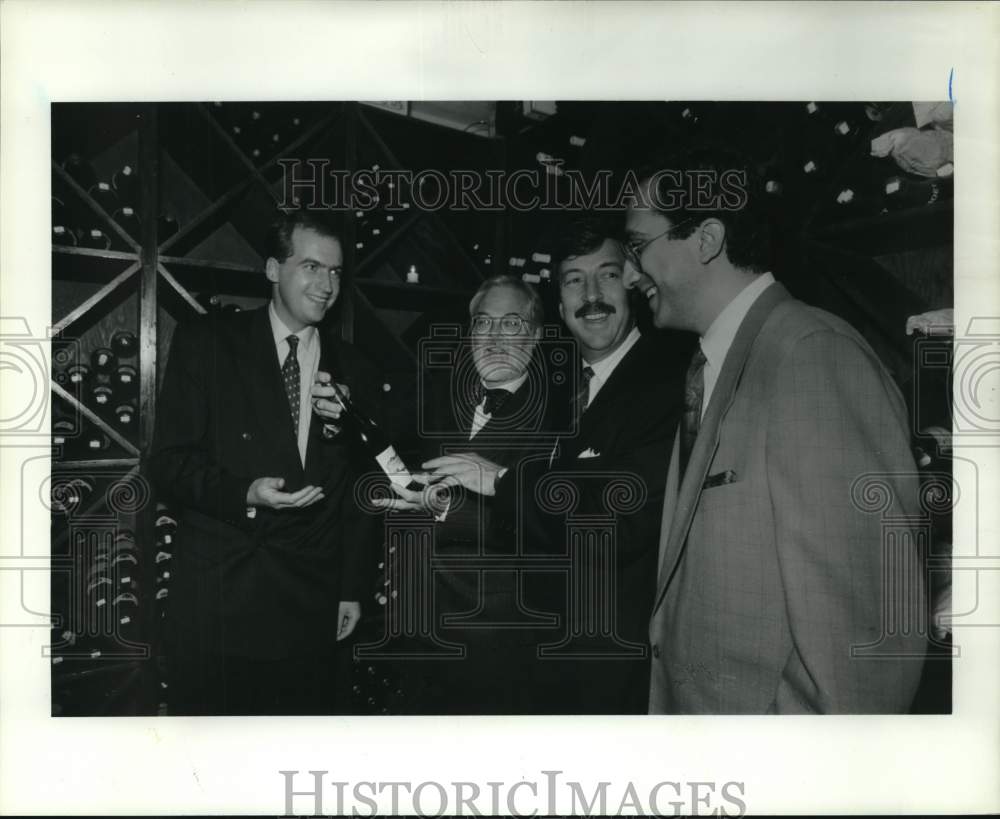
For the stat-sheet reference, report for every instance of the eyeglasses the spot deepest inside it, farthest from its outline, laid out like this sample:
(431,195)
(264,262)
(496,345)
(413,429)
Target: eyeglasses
(510,325)
(633,250)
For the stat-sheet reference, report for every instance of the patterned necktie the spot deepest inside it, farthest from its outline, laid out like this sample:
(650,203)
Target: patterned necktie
(694,393)
(292,378)
(582,397)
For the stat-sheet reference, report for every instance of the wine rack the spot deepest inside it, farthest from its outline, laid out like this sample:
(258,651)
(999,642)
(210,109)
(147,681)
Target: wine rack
(159,212)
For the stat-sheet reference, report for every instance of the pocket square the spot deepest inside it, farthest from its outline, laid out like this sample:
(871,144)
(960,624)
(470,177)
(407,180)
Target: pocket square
(589,453)
(719,479)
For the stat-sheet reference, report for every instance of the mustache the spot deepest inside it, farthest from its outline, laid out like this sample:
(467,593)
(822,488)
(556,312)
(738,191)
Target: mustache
(594,307)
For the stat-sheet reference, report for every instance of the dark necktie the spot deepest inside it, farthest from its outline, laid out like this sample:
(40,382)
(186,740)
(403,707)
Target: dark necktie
(694,393)
(292,379)
(582,396)
(495,398)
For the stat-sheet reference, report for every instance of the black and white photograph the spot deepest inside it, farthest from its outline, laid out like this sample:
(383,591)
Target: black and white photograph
(357,445)
(406,408)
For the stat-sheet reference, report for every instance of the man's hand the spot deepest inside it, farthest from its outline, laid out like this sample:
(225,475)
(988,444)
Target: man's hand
(267,492)
(474,472)
(433,498)
(348,616)
(325,401)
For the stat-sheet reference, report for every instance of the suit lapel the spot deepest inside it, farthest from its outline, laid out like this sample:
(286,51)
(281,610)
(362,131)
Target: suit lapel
(679,506)
(261,371)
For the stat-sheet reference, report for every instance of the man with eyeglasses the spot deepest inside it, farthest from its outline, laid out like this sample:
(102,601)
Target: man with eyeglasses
(270,564)
(489,411)
(778,590)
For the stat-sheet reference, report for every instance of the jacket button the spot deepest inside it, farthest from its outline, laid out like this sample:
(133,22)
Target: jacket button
(656,652)
(246,436)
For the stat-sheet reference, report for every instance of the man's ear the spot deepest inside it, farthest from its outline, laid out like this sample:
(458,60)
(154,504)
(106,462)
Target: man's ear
(271,269)
(713,240)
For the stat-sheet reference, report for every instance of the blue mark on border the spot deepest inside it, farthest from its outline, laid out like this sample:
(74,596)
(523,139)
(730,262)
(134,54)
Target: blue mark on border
(951,76)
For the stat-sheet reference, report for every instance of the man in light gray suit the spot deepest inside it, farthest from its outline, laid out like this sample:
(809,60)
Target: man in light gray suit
(774,579)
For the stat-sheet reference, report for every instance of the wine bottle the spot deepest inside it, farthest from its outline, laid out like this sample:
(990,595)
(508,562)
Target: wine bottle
(63,236)
(102,395)
(125,414)
(79,374)
(97,239)
(80,171)
(374,442)
(124,343)
(97,441)
(126,378)
(126,184)
(103,360)
(211,302)
(105,196)
(127,218)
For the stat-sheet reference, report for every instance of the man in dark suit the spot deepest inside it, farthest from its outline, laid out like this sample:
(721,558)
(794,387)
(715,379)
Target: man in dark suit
(627,405)
(489,412)
(778,590)
(269,566)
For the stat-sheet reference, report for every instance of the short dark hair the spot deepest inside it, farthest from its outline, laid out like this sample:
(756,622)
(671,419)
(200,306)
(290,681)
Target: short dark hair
(279,235)
(582,233)
(536,312)
(748,234)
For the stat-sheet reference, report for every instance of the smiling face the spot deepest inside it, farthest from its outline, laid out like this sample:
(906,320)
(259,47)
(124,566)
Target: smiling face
(593,300)
(501,357)
(669,268)
(306,284)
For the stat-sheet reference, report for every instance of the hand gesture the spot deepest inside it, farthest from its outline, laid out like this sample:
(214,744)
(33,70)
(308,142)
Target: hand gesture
(267,492)
(474,472)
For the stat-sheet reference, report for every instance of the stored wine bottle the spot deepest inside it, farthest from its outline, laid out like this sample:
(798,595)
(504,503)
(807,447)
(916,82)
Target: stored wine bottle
(103,360)
(97,441)
(373,439)
(126,378)
(166,226)
(63,236)
(96,238)
(105,196)
(80,171)
(126,185)
(102,395)
(211,302)
(60,213)
(79,374)
(127,218)
(858,198)
(125,414)
(124,343)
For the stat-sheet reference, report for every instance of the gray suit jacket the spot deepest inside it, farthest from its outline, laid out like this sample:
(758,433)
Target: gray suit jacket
(771,571)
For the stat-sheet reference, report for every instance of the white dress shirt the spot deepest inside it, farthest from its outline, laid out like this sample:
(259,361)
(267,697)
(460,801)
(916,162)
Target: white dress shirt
(719,337)
(481,419)
(603,368)
(308,357)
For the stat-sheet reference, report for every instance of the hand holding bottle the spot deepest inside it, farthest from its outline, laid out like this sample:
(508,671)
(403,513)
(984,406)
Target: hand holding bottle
(326,396)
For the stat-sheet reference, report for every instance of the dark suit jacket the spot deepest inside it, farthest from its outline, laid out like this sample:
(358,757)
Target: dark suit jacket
(266,586)
(627,431)
(773,573)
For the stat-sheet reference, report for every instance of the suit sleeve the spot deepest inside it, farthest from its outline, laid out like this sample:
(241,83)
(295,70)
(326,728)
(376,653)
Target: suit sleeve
(182,462)
(835,416)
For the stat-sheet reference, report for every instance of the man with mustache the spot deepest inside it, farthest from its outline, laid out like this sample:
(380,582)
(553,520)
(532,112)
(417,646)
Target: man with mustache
(268,569)
(626,406)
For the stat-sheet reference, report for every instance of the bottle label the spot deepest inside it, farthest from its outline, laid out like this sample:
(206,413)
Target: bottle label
(393,467)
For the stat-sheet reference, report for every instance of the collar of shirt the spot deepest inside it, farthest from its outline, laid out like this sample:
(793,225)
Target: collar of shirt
(511,386)
(480,418)
(307,335)
(603,368)
(719,337)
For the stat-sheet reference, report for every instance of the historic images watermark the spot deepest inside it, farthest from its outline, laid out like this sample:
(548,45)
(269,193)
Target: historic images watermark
(314,184)
(309,793)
